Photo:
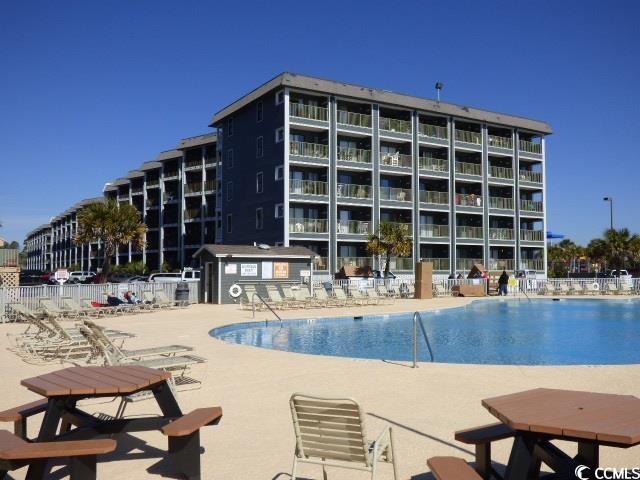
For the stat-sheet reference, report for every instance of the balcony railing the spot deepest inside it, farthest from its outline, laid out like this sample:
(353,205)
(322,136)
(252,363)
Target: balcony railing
(356,227)
(497,264)
(468,168)
(308,225)
(195,187)
(123,197)
(501,172)
(434,131)
(404,226)
(303,149)
(354,119)
(466,263)
(396,160)
(400,263)
(320,263)
(355,261)
(171,174)
(351,190)
(531,205)
(430,196)
(311,112)
(193,164)
(504,203)
(354,155)
(9,257)
(438,263)
(530,147)
(136,190)
(428,230)
(395,125)
(469,232)
(396,194)
(307,187)
(501,234)
(192,213)
(153,182)
(530,176)
(209,185)
(468,137)
(468,200)
(532,264)
(433,164)
(500,142)
(531,235)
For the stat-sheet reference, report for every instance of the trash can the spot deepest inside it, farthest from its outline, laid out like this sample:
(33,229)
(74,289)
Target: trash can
(182,293)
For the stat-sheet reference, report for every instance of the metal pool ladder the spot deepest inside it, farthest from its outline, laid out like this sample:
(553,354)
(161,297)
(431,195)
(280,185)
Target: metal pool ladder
(253,307)
(417,320)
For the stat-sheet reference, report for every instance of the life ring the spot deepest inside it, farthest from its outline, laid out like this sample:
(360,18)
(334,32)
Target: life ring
(235,290)
(595,286)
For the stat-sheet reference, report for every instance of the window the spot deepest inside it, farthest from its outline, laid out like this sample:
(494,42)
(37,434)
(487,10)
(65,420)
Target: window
(259,182)
(259,111)
(279,134)
(229,190)
(229,223)
(279,172)
(230,127)
(230,158)
(280,97)
(259,147)
(259,219)
(279,213)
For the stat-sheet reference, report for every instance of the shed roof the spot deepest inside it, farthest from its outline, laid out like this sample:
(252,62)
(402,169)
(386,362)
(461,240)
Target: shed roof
(254,251)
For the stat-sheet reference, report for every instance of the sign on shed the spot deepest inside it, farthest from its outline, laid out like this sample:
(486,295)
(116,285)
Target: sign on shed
(280,269)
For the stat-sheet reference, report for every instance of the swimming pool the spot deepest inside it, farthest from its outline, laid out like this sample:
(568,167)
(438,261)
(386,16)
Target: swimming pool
(510,332)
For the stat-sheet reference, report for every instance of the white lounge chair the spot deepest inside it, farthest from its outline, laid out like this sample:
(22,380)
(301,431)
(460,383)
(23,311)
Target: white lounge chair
(330,432)
(564,289)
(549,289)
(577,289)
(612,289)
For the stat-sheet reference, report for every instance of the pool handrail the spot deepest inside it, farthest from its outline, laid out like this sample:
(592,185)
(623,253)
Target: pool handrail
(417,320)
(253,307)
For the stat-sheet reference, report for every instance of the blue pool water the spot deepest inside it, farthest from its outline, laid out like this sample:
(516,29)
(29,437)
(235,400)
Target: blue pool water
(516,332)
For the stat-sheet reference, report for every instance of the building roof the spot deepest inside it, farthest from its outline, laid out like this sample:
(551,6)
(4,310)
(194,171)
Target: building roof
(169,155)
(44,226)
(254,251)
(134,174)
(380,96)
(198,140)
(152,165)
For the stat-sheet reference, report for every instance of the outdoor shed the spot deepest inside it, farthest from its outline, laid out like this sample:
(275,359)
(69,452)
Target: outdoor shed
(225,267)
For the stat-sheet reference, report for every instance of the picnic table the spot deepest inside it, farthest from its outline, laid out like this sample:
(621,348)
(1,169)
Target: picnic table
(589,419)
(63,420)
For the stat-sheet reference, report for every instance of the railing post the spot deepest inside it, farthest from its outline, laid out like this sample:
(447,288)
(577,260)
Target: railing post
(415,341)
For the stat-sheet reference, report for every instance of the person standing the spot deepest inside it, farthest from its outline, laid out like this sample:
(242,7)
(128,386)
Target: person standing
(503,283)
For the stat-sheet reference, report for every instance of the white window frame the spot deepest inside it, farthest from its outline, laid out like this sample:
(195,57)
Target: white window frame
(260,182)
(280,97)
(260,147)
(279,134)
(279,206)
(230,158)
(259,111)
(279,173)
(261,210)
(230,127)
(229,226)
(229,191)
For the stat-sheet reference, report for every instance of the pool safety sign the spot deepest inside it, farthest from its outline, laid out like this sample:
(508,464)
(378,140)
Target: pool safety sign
(280,269)
(267,270)
(248,269)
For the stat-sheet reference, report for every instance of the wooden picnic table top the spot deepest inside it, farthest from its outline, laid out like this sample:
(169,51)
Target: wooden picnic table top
(87,381)
(601,417)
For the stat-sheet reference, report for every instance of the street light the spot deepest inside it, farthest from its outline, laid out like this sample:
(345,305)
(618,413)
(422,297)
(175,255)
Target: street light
(610,200)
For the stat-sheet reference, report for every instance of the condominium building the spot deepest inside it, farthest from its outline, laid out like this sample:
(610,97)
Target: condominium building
(321,164)
(37,246)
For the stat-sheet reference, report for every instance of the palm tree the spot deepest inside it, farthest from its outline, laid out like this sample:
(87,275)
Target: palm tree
(112,225)
(563,256)
(597,250)
(391,240)
(619,246)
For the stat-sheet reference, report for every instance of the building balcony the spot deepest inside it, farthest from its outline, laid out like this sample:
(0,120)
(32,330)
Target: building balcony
(465,168)
(351,190)
(532,264)
(396,160)
(530,147)
(209,186)
(466,200)
(428,230)
(501,234)
(531,206)
(468,137)
(354,261)
(311,112)
(123,197)
(497,264)
(465,264)
(171,174)
(355,227)
(395,125)
(137,190)
(308,225)
(532,235)
(529,176)
(503,203)
(9,257)
(433,131)
(429,196)
(193,164)
(500,142)
(307,187)
(193,188)
(192,214)
(439,264)
(320,263)
(502,173)
(155,183)
(395,194)
(474,233)
(354,155)
(353,119)
(433,164)
(313,150)
(400,263)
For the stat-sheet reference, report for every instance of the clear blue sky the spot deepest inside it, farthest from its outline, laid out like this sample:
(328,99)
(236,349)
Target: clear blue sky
(90,90)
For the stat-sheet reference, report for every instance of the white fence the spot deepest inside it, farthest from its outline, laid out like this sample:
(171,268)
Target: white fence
(30,296)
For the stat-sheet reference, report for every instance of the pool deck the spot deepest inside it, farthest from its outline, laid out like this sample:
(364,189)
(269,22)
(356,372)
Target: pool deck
(255,438)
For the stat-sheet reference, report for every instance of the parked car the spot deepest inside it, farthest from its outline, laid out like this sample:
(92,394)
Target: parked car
(174,277)
(81,277)
(139,278)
